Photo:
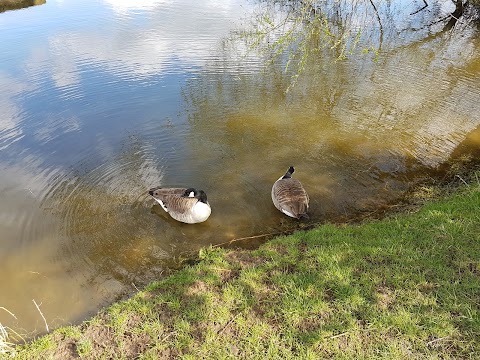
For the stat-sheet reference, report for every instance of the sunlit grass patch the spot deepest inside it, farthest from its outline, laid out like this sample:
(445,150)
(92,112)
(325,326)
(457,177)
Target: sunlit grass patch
(84,347)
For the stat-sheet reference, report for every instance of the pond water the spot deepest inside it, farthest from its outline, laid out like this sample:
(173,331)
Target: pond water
(102,100)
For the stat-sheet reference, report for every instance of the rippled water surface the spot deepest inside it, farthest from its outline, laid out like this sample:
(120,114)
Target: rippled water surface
(102,100)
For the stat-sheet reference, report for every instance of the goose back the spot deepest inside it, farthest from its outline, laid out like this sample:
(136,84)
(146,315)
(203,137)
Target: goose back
(289,196)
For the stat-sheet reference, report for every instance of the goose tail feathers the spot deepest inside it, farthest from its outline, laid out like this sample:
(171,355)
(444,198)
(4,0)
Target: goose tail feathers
(303,217)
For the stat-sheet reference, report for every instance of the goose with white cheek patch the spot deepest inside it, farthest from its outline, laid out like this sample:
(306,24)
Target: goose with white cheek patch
(185,205)
(290,197)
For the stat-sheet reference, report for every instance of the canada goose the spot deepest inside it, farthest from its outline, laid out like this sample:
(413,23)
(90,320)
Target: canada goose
(186,205)
(289,196)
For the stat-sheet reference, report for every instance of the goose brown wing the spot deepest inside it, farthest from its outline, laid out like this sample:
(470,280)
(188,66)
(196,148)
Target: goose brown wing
(167,197)
(161,192)
(179,204)
(289,194)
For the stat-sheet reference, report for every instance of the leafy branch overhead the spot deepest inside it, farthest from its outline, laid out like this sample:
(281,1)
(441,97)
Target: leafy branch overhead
(294,33)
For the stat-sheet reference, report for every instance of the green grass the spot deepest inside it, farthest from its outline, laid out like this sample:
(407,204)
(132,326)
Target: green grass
(403,287)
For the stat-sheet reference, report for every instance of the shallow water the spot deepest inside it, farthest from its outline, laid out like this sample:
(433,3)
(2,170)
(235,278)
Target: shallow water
(104,100)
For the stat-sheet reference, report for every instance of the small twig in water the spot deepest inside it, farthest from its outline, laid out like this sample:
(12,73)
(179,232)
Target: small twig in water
(38,308)
(290,231)
(1,307)
(248,238)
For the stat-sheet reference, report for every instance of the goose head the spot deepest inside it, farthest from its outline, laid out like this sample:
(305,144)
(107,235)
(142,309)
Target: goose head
(199,194)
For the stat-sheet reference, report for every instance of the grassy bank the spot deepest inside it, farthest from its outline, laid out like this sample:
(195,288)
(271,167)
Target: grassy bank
(406,286)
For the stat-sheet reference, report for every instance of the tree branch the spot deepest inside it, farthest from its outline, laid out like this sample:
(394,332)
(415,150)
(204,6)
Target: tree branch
(426,5)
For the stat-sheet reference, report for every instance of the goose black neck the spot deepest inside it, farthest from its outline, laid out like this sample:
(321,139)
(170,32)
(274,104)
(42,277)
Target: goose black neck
(289,172)
(202,196)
